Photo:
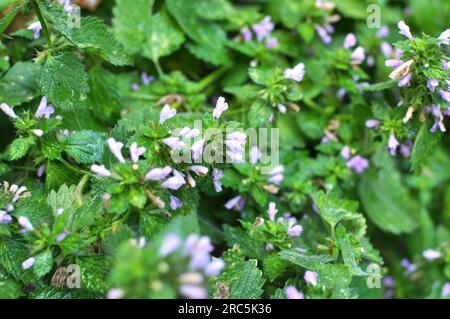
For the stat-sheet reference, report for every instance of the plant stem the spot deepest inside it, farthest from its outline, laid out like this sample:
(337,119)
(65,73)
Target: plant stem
(43,24)
(79,189)
(207,80)
(158,67)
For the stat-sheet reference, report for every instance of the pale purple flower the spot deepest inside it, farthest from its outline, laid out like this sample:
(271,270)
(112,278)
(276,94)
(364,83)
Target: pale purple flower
(5,218)
(214,267)
(135,87)
(41,171)
(445,64)
(295,230)
(386,49)
(358,164)
(62,236)
(158,174)
(217,176)
(445,95)
(235,203)
(174,182)
(263,28)
(115,293)
(247,34)
(282,108)
(404,30)
(147,79)
(341,93)
(221,106)
(36,27)
(393,63)
(393,144)
(197,149)
(372,123)
(136,152)
(255,154)
(410,268)
(388,282)
(311,277)
(25,223)
(190,133)
(115,148)
(38,132)
(405,81)
(349,41)
(100,170)
(438,118)
(405,150)
(44,110)
(175,202)
(271,42)
(323,33)
(445,292)
(193,292)
(297,73)
(174,143)
(169,244)
(276,175)
(199,170)
(345,152)
(445,37)
(382,32)
(292,293)
(272,211)
(59,211)
(166,113)
(431,254)
(27,264)
(432,84)
(358,55)
(8,110)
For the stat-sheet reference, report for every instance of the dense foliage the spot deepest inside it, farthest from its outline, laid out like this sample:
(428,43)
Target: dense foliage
(96,109)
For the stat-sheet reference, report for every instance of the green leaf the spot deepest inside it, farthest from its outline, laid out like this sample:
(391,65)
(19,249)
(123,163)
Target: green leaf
(259,114)
(64,198)
(274,266)
(58,174)
(164,37)
(380,86)
(132,23)
(311,262)
(20,147)
(386,200)
(64,81)
(8,18)
(86,147)
(9,288)
(249,281)
(344,241)
(43,263)
(94,273)
(12,254)
(423,147)
(87,213)
(20,84)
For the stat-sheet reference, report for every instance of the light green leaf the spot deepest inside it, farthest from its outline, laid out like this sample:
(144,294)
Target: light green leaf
(310,262)
(20,147)
(43,263)
(86,147)
(20,84)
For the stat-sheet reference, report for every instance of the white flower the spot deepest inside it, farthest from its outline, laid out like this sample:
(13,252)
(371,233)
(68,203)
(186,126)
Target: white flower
(431,254)
(8,110)
(115,293)
(199,170)
(166,113)
(197,149)
(174,143)
(44,110)
(445,37)
(174,182)
(158,174)
(115,148)
(136,151)
(36,27)
(349,41)
(217,176)
(311,277)
(404,30)
(27,264)
(296,74)
(221,106)
(170,243)
(272,211)
(100,170)
(401,70)
(25,223)
(38,132)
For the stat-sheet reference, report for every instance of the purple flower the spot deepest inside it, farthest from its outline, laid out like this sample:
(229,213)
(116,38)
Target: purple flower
(311,277)
(372,123)
(393,144)
(199,170)
(100,170)
(405,81)
(135,87)
(272,211)
(431,254)
(247,34)
(169,244)
(36,27)
(115,148)
(158,174)
(388,282)
(271,42)
(404,30)
(445,37)
(263,28)
(393,63)
(174,143)
(326,38)
(8,110)
(297,73)
(382,32)
(25,223)
(445,292)
(445,95)
(438,118)
(295,230)
(197,149)
(432,84)
(214,267)
(445,64)
(236,203)
(292,293)
(276,175)
(349,41)
(5,218)
(217,176)
(174,182)
(410,268)
(175,202)
(235,146)
(27,264)
(358,164)
(386,49)
(166,113)
(136,151)
(147,79)
(193,292)
(345,152)
(115,293)
(282,108)
(358,55)
(62,236)
(405,150)
(255,154)
(44,110)
(221,106)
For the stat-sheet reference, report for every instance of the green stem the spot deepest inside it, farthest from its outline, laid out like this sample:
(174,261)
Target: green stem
(79,189)
(207,80)
(141,96)
(43,24)
(158,67)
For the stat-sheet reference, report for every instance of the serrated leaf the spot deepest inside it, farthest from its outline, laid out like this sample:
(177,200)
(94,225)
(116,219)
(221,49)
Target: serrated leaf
(259,114)
(343,240)
(64,81)
(43,263)
(164,37)
(20,84)
(9,288)
(20,147)
(423,147)
(311,262)
(8,18)
(249,282)
(12,254)
(94,272)
(64,198)
(86,147)
(132,23)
